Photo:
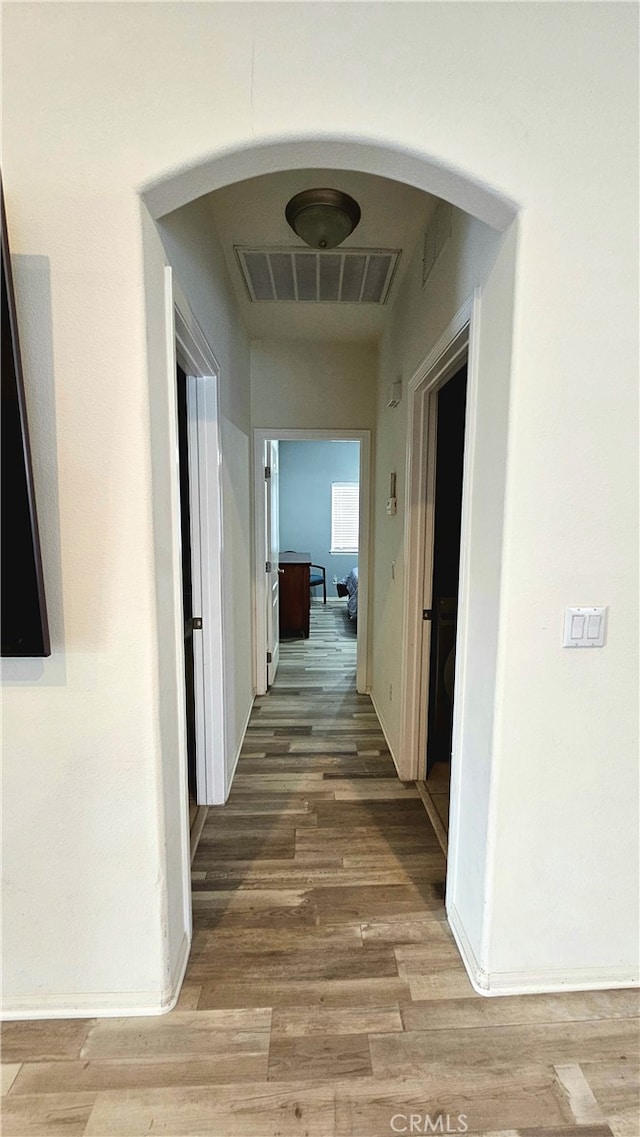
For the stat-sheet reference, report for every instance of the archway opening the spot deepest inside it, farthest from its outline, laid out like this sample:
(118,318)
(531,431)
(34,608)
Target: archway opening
(481,260)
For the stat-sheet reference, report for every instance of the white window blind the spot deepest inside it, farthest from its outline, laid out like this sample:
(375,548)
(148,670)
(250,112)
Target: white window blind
(344,517)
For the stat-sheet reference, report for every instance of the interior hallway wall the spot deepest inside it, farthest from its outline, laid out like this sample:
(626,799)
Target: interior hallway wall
(313,385)
(84,903)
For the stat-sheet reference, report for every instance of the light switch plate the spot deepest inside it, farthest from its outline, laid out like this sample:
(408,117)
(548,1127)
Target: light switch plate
(584,627)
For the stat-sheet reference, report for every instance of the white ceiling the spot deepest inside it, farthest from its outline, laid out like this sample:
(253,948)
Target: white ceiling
(394,216)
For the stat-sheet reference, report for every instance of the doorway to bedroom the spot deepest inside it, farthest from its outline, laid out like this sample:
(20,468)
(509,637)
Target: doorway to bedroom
(319,512)
(312,546)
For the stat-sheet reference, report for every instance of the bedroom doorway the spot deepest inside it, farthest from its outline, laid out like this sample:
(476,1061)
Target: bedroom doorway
(448,359)
(319,508)
(442,397)
(322,538)
(449,410)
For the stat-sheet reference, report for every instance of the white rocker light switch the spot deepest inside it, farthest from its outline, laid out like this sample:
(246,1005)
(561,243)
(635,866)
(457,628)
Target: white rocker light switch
(584,627)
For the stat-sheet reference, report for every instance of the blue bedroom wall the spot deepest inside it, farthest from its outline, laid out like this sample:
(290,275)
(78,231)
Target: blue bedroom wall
(307,470)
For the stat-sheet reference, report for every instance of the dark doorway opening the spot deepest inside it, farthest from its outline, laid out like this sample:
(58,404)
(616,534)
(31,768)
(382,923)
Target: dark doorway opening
(451,404)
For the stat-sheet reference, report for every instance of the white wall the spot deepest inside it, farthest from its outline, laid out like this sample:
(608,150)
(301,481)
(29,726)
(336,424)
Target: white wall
(535,102)
(83,821)
(313,386)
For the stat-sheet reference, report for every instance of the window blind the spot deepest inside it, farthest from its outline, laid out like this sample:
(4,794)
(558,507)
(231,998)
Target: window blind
(344,517)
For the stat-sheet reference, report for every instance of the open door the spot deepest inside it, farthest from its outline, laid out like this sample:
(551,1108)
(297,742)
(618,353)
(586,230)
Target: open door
(200,569)
(272,527)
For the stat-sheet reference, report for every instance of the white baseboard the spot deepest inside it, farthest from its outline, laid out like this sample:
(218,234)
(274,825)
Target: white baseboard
(172,994)
(380,715)
(232,770)
(96,1005)
(82,1006)
(478,977)
(552,982)
(548,982)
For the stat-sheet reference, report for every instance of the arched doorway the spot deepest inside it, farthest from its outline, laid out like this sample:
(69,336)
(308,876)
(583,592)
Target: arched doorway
(470,820)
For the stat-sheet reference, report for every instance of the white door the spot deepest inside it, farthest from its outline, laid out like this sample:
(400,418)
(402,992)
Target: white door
(272,527)
(205,493)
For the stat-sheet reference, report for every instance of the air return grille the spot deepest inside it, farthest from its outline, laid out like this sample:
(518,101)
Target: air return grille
(343,276)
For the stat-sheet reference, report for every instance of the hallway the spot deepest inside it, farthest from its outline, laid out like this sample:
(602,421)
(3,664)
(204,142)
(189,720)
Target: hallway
(319,858)
(324,995)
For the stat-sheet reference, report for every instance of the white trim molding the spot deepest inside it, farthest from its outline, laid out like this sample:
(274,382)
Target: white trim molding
(379,712)
(171,316)
(442,362)
(462,628)
(232,765)
(260,436)
(477,976)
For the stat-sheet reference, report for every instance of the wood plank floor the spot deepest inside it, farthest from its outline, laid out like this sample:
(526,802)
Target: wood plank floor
(325,996)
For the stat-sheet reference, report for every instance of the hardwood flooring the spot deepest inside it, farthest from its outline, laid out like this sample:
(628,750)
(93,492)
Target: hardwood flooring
(325,996)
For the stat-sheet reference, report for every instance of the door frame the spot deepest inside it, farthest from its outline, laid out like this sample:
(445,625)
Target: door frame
(271,459)
(459,342)
(281,434)
(190,349)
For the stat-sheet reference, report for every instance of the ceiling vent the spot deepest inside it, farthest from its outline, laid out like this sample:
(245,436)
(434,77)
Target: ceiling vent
(345,276)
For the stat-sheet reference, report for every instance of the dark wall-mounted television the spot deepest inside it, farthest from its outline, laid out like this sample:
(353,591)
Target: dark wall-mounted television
(23,611)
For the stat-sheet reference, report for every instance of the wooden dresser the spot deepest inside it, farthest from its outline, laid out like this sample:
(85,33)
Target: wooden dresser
(295,594)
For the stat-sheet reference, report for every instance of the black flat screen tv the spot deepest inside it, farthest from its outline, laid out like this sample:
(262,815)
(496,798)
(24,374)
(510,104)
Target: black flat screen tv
(23,611)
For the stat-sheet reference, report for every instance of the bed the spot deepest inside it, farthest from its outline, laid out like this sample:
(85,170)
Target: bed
(348,587)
